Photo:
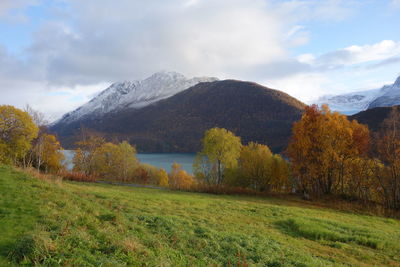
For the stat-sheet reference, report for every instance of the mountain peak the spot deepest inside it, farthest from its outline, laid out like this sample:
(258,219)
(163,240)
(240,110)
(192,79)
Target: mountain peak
(397,82)
(354,102)
(167,74)
(134,94)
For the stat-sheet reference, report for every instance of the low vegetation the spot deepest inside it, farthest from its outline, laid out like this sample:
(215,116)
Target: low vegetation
(52,223)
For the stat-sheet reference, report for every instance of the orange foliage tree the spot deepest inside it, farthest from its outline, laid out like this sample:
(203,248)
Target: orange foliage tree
(180,179)
(322,146)
(387,144)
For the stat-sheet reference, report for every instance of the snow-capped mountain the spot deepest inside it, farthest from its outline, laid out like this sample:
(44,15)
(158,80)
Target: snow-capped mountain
(351,103)
(134,94)
(390,96)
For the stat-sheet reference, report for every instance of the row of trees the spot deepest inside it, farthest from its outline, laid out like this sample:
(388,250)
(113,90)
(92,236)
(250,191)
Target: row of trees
(331,155)
(118,162)
(328,154)
(24,140)
(225,161)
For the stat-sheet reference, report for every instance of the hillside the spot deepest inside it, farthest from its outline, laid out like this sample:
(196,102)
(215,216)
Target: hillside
(177,124)
(372,117)
(75,224)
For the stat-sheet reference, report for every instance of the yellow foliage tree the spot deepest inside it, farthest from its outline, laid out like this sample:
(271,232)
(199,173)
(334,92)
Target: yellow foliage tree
(221,149)
(260,170)
(51,156)
(84,155)
(163,178)
(17,130)
(115,162)
(255,167)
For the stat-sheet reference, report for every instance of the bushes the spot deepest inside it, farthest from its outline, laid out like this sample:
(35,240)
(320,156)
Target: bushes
(202,187)
(78,177)
(180,179)
(106,160)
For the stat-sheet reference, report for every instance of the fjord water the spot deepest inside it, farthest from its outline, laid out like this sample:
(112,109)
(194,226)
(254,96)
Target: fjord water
(160,160)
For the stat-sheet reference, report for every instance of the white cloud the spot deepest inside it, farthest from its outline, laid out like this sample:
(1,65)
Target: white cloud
(94,42)
(53,101)
(327,10)
(13,10)
(139,38)
(355,54)
(101,41)
(395,3)
(304,86)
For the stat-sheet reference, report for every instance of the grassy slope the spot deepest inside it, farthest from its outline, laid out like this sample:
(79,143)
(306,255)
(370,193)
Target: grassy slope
(89,224)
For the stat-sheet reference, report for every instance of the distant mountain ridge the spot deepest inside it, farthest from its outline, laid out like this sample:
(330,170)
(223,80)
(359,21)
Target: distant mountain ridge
(133,94)
(177,124)
(351,103)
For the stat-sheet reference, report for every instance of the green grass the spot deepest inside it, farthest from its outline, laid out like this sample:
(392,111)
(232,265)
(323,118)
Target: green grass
(78,224)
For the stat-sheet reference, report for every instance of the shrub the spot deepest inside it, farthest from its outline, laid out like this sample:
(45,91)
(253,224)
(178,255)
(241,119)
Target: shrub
(78,177)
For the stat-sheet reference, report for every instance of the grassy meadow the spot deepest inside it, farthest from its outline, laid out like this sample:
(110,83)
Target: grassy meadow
(59,223)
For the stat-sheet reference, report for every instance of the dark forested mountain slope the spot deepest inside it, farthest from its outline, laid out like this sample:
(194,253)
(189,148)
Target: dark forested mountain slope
(177,124)
(373,117)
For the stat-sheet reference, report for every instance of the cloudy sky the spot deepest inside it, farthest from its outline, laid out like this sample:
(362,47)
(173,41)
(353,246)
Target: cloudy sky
(56,54)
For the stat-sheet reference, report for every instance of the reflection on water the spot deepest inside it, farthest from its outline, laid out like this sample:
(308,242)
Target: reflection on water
(163,160)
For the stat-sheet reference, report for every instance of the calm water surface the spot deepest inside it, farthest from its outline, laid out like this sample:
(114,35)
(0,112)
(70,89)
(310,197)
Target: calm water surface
(163,160)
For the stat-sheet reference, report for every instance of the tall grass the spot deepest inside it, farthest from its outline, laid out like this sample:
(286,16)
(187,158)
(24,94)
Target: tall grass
(85,224)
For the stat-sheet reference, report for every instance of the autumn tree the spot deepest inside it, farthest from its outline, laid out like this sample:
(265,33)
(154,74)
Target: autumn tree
(128,162)
(115,162)
(105,161)
(179,178)
(45,153)
(156,176)
(387,145)
(142,175)
(38,117)
(322,145)
(221,149)
(17,130)
(163,178)
(259,169)
(48,153)
(362,183)
(84,155)
(255,167)
(280,171)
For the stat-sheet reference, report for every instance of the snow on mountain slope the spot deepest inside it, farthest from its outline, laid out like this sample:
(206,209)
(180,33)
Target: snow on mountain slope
(390,96)
(135,94)
(351,103)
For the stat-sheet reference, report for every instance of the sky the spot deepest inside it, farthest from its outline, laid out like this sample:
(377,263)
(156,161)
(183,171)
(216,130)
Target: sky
(55,55)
